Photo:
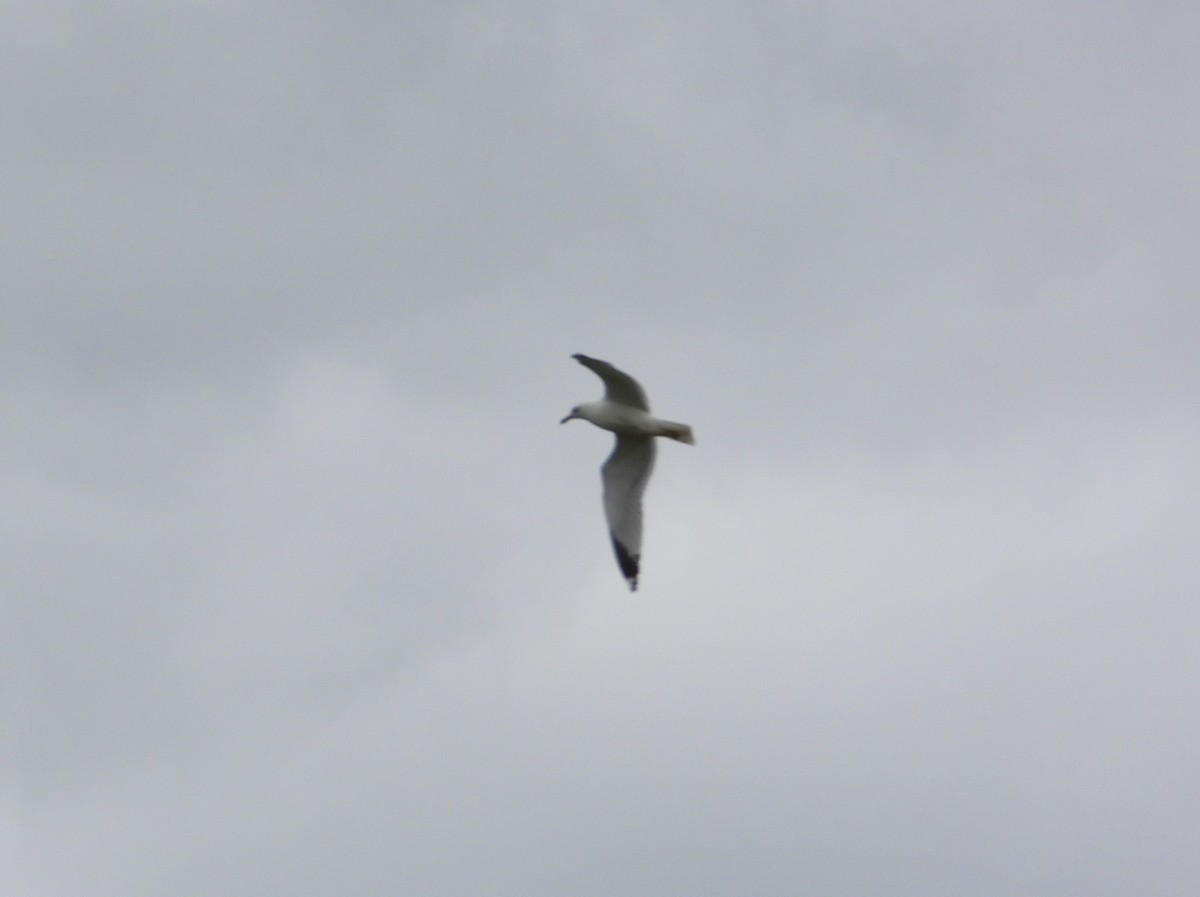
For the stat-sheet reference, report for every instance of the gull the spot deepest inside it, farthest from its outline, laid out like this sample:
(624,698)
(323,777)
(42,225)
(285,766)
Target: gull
(625,411)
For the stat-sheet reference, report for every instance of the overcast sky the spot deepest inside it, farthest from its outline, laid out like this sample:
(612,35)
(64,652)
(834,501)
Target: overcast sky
(304,591)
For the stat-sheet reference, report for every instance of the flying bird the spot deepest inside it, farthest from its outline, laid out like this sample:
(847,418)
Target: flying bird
(625,411)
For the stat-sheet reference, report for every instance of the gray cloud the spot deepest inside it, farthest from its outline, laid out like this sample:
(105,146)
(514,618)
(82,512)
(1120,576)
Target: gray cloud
(306,590)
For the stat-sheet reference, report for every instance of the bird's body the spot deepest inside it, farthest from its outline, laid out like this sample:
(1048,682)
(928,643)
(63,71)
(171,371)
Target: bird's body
(625,420)
(625,411)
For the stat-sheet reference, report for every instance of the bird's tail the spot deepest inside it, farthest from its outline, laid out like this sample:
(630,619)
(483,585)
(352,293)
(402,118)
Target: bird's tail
(678,432)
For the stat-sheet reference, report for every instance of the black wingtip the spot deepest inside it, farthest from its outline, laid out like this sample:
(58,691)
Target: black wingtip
(628,564)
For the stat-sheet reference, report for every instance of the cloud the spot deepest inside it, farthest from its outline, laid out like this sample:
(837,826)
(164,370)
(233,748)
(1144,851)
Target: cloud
(307,590)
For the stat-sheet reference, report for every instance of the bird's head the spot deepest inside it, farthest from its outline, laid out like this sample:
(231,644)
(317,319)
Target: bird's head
(572,416)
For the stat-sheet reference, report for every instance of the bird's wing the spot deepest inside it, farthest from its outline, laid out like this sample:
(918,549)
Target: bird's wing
(625,474)
(619,387)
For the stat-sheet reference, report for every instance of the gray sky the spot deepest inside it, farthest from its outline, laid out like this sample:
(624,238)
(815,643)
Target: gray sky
(306,592)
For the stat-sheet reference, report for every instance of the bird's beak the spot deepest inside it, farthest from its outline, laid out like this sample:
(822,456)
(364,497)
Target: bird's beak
(570,416)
